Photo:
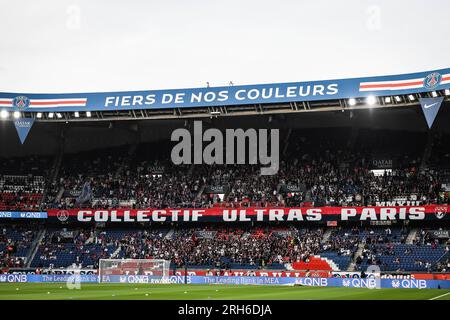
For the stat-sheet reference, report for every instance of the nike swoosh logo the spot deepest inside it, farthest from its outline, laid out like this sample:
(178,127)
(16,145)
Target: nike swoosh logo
(427,106)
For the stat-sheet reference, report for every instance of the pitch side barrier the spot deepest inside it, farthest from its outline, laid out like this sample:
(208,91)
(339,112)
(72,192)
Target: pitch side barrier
(249,273)
(369,283)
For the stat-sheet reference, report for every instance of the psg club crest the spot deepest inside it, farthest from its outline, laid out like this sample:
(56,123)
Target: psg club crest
(432,80)
(21,102)
(62,215)
(440,211)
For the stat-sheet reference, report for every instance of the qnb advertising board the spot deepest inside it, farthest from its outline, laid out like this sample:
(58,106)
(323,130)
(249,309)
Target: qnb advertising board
(315,214)
(370,283)
(232,95)
(23,214)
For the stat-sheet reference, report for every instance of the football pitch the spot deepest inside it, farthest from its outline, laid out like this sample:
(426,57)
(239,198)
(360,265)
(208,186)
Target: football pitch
(59,291)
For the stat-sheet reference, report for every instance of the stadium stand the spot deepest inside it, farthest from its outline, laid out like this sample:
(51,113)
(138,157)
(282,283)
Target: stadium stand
(22,183)
(228,248)
(15,245)
(341,175)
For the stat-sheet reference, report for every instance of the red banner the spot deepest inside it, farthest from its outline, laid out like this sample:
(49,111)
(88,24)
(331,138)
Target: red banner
(393,213)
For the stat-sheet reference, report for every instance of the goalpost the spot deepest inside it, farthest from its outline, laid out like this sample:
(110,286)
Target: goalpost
(133,271)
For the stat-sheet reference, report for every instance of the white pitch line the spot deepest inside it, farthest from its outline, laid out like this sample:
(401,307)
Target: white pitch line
(442,295)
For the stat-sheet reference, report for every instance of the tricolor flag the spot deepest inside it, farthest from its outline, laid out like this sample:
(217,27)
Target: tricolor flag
(48,103)
(405,84)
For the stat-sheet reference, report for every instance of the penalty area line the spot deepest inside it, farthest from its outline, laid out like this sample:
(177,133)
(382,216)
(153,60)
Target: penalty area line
(442,295)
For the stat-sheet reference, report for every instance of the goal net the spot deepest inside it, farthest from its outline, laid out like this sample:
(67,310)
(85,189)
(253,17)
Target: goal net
(133,270)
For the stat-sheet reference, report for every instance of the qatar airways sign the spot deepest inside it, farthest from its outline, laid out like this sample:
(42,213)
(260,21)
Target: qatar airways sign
(395,213)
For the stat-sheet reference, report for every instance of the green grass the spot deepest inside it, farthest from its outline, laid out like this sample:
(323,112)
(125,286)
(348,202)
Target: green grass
(59,291)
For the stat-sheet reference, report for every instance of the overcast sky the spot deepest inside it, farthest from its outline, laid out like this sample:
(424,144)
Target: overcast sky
(107,45)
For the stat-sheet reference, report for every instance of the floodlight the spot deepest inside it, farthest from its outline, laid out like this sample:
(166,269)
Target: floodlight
(371,100)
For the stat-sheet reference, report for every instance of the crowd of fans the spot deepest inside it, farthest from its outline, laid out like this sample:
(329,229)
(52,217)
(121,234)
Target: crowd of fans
(21,193)
(332,169)
(391,253)
(315,169)
(335,168)
(64,248)
(322,183)
(15,245)
(226,247)
(220,248)
(23,182)
(234,247)
(324,169)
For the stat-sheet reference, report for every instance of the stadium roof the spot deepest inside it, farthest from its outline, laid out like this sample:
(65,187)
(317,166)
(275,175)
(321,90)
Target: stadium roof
(50,135)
